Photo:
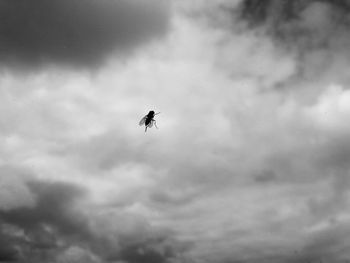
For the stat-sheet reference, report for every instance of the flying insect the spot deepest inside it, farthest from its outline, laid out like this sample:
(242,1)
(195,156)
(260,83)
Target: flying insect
(149,120)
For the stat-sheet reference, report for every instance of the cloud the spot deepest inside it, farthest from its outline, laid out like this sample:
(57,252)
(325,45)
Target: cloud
(76,254)
(41,226)
(240,170)
(60,226)
(327,243)
(76,33)
(14,191)
(59,196)
(316,31)
(7,252)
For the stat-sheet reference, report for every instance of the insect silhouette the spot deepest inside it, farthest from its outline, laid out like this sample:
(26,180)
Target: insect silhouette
(149,120)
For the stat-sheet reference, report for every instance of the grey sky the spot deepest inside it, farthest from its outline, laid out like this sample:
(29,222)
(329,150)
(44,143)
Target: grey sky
(251,159)
(76,33)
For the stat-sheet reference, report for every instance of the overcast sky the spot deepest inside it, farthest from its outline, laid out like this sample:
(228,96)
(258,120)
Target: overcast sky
(251,159)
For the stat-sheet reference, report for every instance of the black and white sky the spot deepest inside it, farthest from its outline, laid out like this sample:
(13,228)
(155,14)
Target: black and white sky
(251,160)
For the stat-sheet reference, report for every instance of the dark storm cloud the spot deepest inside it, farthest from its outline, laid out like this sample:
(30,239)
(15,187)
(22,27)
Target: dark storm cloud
(260,11)
(159,249)
(55,224)
(280,16)
(307,24)
(7,252)
(75,32)
(53,207)
(326,245)
(317,31)
(27,231)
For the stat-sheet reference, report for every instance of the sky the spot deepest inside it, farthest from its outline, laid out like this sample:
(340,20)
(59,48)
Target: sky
(251,159)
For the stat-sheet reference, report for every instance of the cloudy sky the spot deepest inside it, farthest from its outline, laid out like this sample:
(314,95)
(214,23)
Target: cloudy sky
(251,159)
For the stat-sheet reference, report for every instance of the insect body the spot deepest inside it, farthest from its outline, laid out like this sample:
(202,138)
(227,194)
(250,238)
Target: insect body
(148,120)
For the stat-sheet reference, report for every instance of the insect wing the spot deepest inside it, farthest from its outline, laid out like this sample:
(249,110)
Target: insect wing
(143,120)
(150,124)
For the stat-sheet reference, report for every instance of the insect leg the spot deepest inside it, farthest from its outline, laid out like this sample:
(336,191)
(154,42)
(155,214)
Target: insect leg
(155,124)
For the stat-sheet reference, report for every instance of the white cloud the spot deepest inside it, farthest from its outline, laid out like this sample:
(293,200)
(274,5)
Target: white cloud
(238,168)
